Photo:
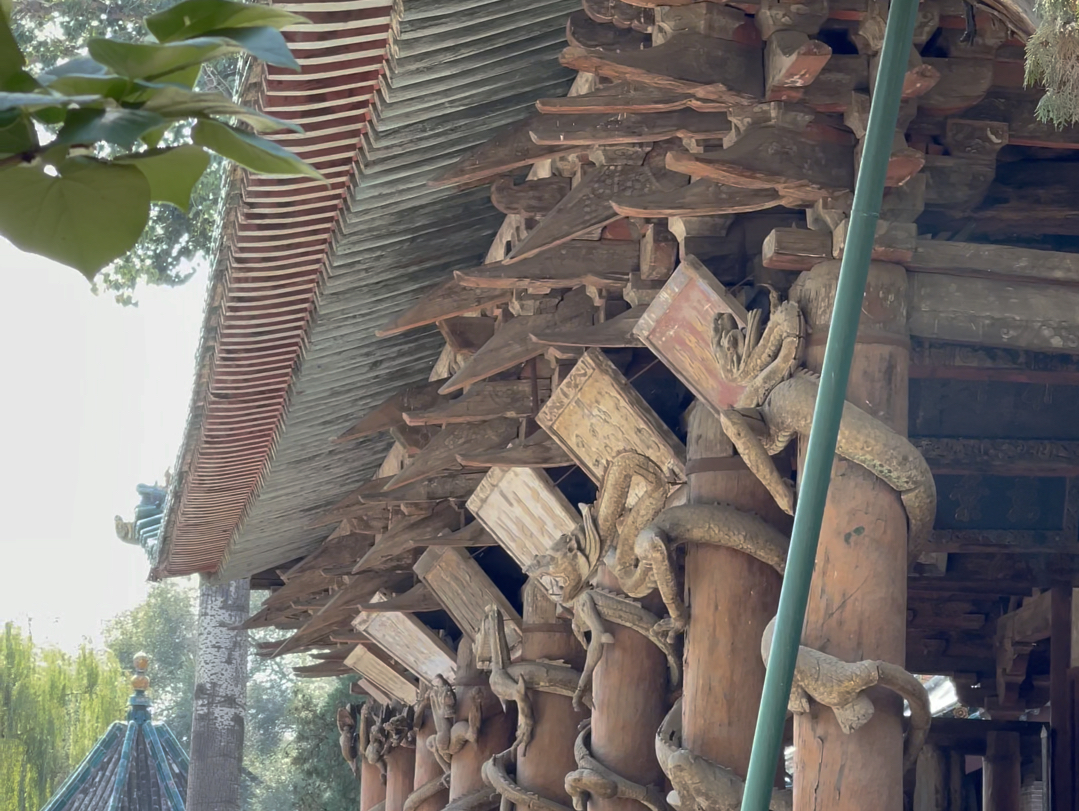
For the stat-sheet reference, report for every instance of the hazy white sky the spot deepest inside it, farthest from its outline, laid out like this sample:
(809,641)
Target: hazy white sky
(93,400)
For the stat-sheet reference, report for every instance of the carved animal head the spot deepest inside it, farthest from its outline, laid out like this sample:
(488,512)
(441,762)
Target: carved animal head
(443,699)
(125,530)
(752,355)
(564,567)
(344,719)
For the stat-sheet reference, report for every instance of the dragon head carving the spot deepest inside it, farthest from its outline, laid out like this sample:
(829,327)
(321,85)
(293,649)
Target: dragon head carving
(569,563)
(759,357)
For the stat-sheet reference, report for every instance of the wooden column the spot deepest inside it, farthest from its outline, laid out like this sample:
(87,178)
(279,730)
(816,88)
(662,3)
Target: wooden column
(1060,699)
(372,789)
(495,735)
(931,780)
(629,688)
(857,604)
(427,766)
(400,774)
(549,757)
(731,598)
(1001,777)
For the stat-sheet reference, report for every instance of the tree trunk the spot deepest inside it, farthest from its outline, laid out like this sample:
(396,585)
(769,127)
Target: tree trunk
(217,730)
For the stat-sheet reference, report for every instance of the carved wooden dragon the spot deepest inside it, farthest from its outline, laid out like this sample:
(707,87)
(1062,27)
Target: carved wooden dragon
(450,737)
(592,778)
(511,682)
(497,777)
(346,725)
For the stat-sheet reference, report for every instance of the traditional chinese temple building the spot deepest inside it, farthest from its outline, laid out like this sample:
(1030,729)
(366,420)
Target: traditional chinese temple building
(137,765)
(510,415)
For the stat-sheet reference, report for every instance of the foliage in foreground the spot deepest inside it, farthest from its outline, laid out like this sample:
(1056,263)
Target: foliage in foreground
(1053,61)
(53,708)
(88,145)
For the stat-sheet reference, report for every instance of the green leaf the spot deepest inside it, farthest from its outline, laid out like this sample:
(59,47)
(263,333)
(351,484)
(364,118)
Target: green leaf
(12,60)
(196,18)
(247,149)
(267,44)
(138,60)
(17,133)
(175,102)
(172,173)
(79,66)
(153,137)
(113,87)
(116,125)
(36,101)
(88,216)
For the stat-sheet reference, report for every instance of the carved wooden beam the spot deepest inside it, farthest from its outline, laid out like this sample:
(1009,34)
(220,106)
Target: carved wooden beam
(538,450)
(511,345)
(604,263)
(322,670)
(584,32)
(419,598)
(409,642)
(484,401)
(596,415)
(436,488)
(701,198)
(466,334)
(388,415)
(792,61)
(380,676)
(533,198)
(1002,541)
(443,301)
(441,453)
(695,64)
(472,534)
(465,591)
(620,128)
(621,15)
(614,333)
(1017,108)
(404,535)
(985,363)
(510,149)
(1000,457)
(622,98)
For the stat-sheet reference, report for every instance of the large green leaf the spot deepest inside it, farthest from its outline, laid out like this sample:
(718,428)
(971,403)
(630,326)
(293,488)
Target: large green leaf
(79,66)
(88,216)
(11,58)
(172,173)
(17,133)
(267,44)
(248,149)
(196,18)
(116,125)
(176,102)
(139,60)
(108,85)
(38,101)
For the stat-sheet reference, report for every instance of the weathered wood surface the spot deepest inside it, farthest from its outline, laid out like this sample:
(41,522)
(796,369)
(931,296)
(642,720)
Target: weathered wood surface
(995,261)
(792,61)
(614,333)
(472,534)
(694,64)
(443,301)
(621,128)
(508,150)
(441,453)
(596,415)
(464,590)
(466,334)
(677,326)
(372,789)
(982,363)
(511,345)
(400,772)
(538,450)
(701,198)
(419,598)
(605,263)
(523,510)
(436,488)
(1002,773)
(584,32)
(405,532)
(533,198)
(383,677)
(795,248)
(962,84)
(621,15)
(484,401)
(627,99)
(1001,457)
(409,642)
(388,414)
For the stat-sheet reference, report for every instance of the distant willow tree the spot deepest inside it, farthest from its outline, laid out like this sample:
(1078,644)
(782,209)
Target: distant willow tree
(53,708)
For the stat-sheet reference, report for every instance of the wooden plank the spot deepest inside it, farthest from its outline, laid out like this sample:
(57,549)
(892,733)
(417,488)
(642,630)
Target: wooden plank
(584,32)
(533,198)
(465,591)
(1017,109)
(364,687)
(466,334)
(401,537)
(994,261)
(621,128)
(1002,541)
(510,149)
(473,534)
(792,61)
(538,450)
(605,263)
(411,643)
(796,248)
(596,415)
(443,301)
(419,598)
(626,99)
(523,511)
(614,333)
(388,414)
(484,401)
(701,198)
(1000,457)
(677,327)
(983,363)
(382,677)
(441,453)
(689,63)
(511,345)
(452,485)
(622,15)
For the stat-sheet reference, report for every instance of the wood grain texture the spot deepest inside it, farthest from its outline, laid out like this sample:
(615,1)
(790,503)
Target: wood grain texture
(538,450)
(523,510)
(627,99)
(441,453)
(484,401)
(383,677)
(409,642)
(403,535)
(613,333)
(604,263)
(464,591)
(677,327)
(443,301)
(622,128)
(701,198)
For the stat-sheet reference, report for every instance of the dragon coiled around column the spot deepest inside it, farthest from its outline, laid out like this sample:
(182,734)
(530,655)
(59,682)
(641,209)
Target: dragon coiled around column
(775,407)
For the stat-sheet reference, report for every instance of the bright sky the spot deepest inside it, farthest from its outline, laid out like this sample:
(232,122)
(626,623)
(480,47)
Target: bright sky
(93,401)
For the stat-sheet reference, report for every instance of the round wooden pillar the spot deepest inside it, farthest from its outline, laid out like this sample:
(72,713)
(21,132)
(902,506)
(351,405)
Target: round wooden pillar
(400,773)
(1001,772)
(427,766)
(858,603)
(629,688)
(372,789)
(496,733)
(549,757)
(731,598)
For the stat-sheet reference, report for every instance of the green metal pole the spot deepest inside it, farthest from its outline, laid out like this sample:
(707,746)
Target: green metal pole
(814,477)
